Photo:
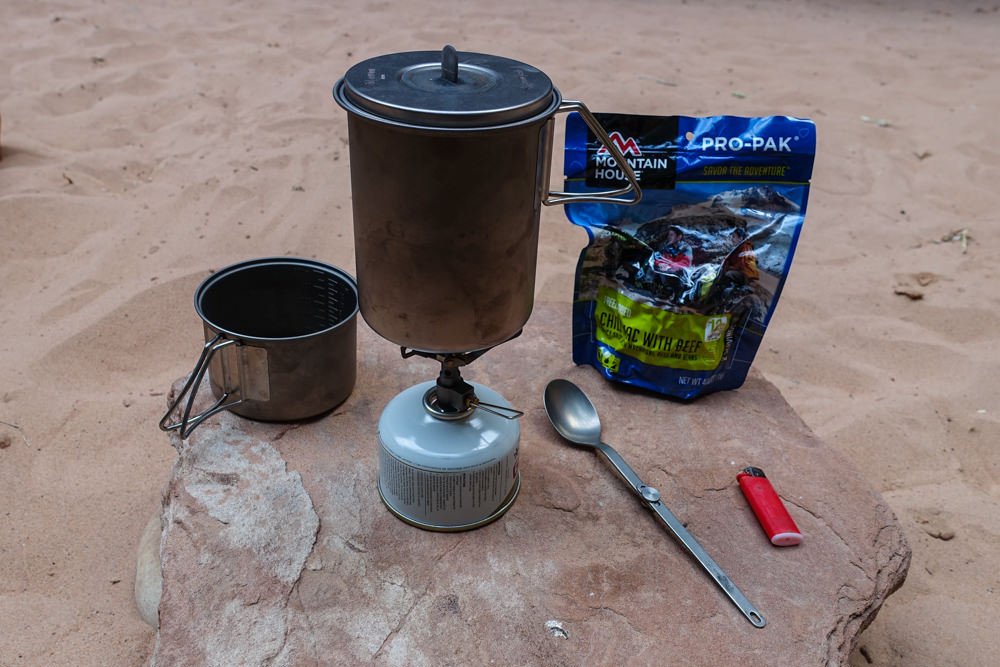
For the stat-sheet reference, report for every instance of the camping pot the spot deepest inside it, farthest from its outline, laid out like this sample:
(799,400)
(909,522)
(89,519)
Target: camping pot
(450,157)
(281,341)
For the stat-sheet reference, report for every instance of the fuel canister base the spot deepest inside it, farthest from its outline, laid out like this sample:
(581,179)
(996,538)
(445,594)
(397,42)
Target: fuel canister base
(440,528)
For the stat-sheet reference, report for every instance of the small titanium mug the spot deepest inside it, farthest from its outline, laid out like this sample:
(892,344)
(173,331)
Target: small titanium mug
(281,341)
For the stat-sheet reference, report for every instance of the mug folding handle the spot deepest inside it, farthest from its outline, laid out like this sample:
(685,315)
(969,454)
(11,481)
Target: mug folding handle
(605,196)
(187,424)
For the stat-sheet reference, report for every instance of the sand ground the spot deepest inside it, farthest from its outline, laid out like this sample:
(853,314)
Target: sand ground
(147,143)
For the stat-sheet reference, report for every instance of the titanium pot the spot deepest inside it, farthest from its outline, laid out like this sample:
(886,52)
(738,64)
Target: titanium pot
(281,341)
(450,158)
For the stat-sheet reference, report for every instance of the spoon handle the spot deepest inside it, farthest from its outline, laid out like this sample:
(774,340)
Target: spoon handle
(651,497)
(713,569)
(623,468)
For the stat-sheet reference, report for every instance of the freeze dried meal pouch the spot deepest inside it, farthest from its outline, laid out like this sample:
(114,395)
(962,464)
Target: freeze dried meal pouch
(674,294)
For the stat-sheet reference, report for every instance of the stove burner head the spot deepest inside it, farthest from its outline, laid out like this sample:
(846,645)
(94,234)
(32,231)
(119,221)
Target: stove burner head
(452,398)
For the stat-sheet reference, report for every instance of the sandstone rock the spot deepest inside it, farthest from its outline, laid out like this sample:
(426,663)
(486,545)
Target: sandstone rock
(277,550)
(238,529)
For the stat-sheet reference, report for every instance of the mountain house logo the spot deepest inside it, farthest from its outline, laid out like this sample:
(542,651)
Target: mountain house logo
(654,168)
(626,146)
(648,144)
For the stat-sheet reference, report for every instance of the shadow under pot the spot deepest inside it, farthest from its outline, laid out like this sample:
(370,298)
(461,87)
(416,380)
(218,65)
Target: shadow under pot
(281,342)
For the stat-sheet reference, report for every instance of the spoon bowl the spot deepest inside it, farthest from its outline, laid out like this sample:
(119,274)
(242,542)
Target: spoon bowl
(572,414)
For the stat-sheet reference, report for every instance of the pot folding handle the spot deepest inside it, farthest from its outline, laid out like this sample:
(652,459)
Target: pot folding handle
(606,196)
(187,424)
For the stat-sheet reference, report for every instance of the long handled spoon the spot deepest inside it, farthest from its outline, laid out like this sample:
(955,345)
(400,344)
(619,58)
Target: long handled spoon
(575,418)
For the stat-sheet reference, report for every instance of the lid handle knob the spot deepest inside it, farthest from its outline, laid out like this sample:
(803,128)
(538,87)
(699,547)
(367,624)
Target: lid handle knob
(449,63)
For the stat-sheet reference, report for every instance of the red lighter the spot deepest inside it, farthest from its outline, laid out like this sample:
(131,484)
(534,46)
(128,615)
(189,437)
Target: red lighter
(770,511)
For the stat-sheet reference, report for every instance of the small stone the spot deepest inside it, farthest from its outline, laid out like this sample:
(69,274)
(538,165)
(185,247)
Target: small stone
(556,629)
(909,292)
(943,534)
(936,525)
(5,440)
(148,580)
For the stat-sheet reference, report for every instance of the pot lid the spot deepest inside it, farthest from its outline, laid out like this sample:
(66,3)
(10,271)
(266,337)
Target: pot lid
(447,89)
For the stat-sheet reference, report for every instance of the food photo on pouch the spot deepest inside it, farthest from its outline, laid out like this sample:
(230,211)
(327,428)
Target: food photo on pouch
(460,345)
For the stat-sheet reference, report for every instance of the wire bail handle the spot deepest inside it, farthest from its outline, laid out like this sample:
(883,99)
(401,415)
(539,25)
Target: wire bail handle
(187,424)
(604,196)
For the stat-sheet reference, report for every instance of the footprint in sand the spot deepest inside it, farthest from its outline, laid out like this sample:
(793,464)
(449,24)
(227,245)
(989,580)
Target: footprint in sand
(129,337)
(72,99)
(37,222)
(77,297)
